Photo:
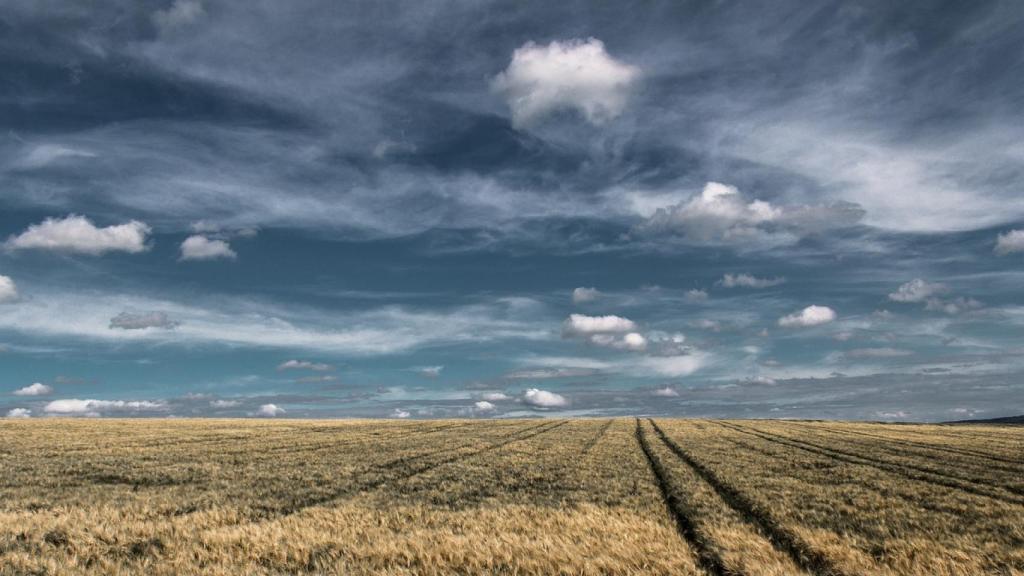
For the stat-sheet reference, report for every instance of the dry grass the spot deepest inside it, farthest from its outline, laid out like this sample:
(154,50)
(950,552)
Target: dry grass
(509,497)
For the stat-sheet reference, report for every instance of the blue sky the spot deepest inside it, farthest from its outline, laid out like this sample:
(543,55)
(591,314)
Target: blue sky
(428,209)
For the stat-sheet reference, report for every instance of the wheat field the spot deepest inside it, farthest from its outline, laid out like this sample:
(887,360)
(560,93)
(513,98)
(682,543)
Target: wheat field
(613,496)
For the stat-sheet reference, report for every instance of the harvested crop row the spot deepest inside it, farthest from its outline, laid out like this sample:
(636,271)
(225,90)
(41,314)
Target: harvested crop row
(859,512)
(910,471)
(728,539)
(927,450)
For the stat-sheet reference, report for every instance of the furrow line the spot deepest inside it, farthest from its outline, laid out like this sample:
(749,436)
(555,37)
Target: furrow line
(1018,465)
(597,437)
(976,488)
(782,539)
(366,486)
(708,560)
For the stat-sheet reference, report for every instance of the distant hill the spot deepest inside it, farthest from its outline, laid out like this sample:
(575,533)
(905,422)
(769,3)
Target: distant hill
(1003,420)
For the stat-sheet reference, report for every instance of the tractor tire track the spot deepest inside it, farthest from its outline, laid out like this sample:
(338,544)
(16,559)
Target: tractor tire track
(358,487)
(923,475)
(597,437)
(781,538)
(707,559)
(1017,465)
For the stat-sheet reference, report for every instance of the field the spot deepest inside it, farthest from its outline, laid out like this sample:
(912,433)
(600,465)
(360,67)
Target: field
(622,496)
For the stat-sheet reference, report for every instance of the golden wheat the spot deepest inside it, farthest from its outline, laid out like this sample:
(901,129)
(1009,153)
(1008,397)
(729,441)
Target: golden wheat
(619,496)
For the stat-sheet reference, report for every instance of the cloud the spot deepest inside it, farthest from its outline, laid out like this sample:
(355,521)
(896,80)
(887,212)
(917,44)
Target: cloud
(721,216)
(77,234)
(952,306)
(316,378)
(605,331)
(666,392)
(199,247)
(142,321)
(76,407)
(549,373)
(810,316)
(238,321)
(696,295)
(304,365)
(495,396)
(748,281)
(399,413)
(8,290)
(632,341)
(179,13)
(429,371)
(581,325)
(1010,243)
(483,407)
(877,353)
(36,389)
(673,366)
(917,290)
(224,403)
(386,148)
(575,74)
(707,324)
(270,410)
(544,399)
(666,344)
(46,154)
(19,413)
(581,295)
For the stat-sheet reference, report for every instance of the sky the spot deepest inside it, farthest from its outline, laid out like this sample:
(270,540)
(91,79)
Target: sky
(475,209)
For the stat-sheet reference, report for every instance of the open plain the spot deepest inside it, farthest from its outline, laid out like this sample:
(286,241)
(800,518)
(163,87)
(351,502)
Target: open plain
(548,496)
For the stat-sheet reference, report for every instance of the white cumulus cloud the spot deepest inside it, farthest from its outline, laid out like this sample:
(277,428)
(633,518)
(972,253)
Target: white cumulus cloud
(483,407)
(720,215)
(8,290)
(270,410)
(810,316)
(399,413)
(582,325)
(19,413)
(632,341)
(1009,243)
(582,294)
(696,295)
(544,399)
(36,389)
(76,407)
(199,247)
(77,234)
(572,75)
(666,392)
(917,290)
